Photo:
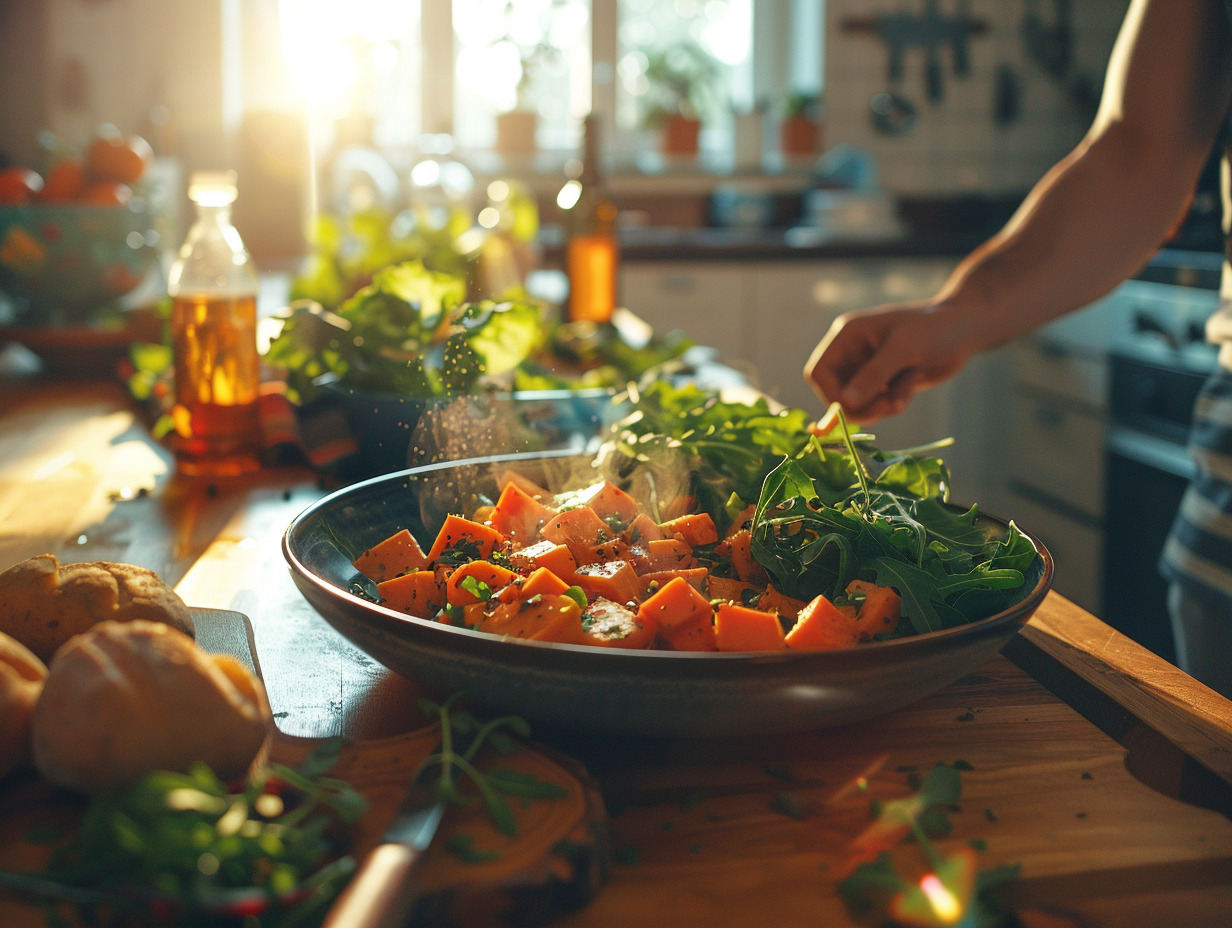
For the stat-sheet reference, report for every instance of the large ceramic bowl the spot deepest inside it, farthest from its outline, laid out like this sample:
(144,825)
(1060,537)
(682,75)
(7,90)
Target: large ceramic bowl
(656,693)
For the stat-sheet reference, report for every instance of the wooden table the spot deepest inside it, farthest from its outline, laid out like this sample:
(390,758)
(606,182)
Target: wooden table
(1102,770)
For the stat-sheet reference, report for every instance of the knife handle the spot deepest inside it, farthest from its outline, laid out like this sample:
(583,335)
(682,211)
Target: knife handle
(381,892)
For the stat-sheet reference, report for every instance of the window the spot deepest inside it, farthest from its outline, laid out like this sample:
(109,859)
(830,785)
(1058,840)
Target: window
(392,73)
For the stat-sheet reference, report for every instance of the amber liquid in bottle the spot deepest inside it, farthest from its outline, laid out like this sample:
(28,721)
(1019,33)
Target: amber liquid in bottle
(592,252)
(217,378)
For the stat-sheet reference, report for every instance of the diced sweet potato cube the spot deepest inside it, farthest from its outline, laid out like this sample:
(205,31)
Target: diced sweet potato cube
(485,575)
(880,611)
(459,531)
(418,593)
(541,580)
(615,550)
(607,500)
(728,589)
(675,605)
(581,529)
(398,554)
(695,528)
(676,507)
(614,580)
(519,516)
(524,483)
(656,580)
(556,558)
(739,548)
(822,626)
(669,554)
(738,628)
(696,636)
(643,529)
(539,618)
(612,625)
(774,601)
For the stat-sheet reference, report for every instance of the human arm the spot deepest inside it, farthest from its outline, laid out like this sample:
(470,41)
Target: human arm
(1093,220)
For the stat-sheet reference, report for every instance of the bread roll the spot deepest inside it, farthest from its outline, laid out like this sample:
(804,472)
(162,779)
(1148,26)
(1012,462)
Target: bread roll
(44,603)
(21,680)
(125,698)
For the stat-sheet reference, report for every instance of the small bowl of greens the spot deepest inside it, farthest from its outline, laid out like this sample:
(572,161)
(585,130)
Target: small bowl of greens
(371,380)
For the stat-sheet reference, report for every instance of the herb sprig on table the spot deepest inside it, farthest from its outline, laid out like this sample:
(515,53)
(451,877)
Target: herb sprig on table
(186,849)
(947,889)
(462,737)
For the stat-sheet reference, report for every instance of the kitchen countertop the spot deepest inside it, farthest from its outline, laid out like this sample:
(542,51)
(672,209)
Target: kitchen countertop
(1089,761)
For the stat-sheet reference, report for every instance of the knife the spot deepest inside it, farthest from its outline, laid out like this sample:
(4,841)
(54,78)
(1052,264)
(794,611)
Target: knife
(383,889)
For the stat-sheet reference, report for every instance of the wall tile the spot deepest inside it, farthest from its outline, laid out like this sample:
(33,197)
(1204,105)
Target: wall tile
(956,147)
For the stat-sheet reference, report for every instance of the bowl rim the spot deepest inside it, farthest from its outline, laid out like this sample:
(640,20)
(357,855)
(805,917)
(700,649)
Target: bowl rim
(396,622)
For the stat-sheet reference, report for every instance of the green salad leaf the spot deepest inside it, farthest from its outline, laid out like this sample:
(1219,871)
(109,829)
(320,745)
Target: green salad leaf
(409,332)
(825,518)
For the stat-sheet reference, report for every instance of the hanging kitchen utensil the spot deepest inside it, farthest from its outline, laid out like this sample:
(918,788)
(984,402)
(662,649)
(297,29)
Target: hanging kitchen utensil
(891,112)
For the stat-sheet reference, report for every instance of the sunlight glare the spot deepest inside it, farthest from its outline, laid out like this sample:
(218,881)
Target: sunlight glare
(944,902)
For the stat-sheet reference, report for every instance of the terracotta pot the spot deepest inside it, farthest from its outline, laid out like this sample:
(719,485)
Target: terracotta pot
(799,137)
(515,133)
(680,136)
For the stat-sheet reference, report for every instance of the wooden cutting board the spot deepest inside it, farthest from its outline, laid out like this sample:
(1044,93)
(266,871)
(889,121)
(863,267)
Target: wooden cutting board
(559,859)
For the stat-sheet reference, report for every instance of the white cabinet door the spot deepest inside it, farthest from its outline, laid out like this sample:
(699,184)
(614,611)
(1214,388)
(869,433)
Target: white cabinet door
(708,300)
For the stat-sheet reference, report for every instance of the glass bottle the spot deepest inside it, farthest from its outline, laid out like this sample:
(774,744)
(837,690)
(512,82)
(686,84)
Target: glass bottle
(213,288)
(592,253)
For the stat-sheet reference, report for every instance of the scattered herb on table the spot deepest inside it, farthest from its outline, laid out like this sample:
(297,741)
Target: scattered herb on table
(941,889)
(184,848)
(462,737)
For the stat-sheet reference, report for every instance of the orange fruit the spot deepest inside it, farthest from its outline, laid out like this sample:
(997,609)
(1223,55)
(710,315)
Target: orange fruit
(107,194)
(121,159)
(19,185)
(65,181)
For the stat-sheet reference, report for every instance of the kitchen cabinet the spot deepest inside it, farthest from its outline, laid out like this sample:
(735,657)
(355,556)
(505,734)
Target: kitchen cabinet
(1054,462)
(709,301)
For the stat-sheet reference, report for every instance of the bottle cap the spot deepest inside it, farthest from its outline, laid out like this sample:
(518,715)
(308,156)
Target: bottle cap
(212,188)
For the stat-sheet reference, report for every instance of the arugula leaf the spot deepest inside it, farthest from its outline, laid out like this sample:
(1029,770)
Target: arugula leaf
(828,508)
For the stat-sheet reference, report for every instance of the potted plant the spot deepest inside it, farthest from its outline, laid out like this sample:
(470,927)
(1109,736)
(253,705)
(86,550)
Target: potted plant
(800,129)
(516,128)
(683,90)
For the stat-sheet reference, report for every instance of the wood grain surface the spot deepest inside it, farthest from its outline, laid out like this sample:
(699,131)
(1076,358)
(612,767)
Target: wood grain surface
(1097,767)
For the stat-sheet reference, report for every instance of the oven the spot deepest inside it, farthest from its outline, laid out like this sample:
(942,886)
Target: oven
(1158,362)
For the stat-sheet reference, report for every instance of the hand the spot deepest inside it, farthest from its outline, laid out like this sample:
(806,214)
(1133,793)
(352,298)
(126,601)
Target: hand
(874,361)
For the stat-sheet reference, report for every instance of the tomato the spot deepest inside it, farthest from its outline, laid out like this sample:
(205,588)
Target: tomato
(66,181)
(19,185)
(121,159)
(107,194)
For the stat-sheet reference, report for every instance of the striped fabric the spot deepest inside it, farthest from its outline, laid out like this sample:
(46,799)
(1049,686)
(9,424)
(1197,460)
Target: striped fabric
(1199,550)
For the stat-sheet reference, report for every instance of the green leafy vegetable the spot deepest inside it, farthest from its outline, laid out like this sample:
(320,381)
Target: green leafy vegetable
(183,848)
(826,517)
(462,737)
(727,447)
(408,332)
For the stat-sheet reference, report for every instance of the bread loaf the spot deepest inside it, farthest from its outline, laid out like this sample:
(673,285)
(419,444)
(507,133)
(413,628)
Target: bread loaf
(44,603)
(21,681)
(125,698)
